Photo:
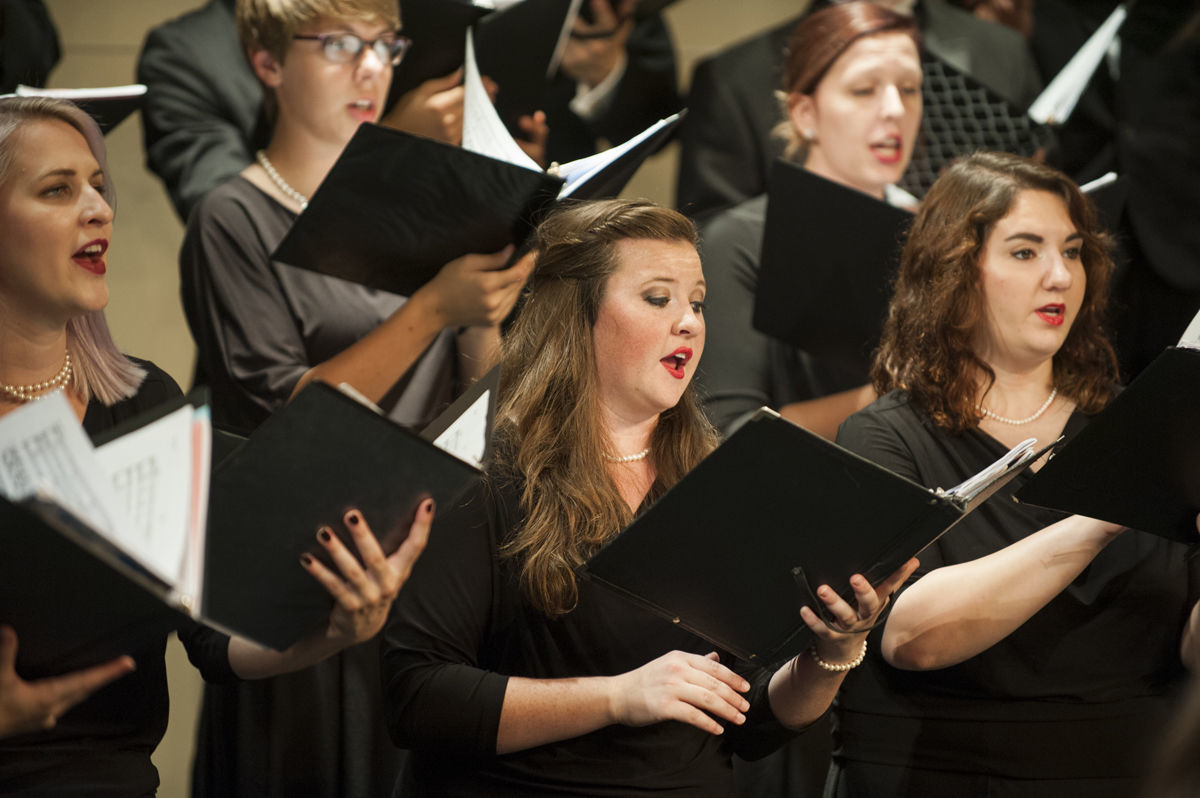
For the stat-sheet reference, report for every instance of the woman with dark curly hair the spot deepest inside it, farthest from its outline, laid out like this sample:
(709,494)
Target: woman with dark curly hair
(1034,653)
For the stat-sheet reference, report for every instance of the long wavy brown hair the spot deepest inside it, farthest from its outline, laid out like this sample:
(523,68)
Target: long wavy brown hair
(549,427)
(937,307)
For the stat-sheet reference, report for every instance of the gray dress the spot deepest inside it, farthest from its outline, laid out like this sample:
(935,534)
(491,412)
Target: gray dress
(259,325)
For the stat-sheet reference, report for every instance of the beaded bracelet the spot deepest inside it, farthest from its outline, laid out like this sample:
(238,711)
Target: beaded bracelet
(840,667)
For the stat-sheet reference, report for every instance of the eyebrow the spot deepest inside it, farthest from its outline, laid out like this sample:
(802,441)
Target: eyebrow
(671,280)
(67,172)
(1037,239)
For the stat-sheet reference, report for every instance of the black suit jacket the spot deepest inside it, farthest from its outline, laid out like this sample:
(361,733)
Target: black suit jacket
(727,147)
(203,119)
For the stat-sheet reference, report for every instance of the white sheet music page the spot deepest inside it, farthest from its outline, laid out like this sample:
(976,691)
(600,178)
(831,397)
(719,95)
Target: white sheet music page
(1056,102)
(579,171)
(1191,336)
(44,450)
(1014,457)
(150,471)
(564,36)
(483,131)
(466,438)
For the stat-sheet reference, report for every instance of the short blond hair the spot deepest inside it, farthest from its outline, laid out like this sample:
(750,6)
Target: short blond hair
(270,24)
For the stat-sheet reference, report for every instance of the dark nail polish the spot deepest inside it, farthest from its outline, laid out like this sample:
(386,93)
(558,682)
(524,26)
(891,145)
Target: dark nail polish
(306,559)
(429,506)
(353,518)
(324,535)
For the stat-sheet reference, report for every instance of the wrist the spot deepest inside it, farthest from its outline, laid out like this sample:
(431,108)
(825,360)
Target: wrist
(427,314)
(843,658)
(613,699)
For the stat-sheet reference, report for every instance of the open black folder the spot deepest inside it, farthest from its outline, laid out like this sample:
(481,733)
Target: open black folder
(828,257)
(734,550)
(1138,462)
(438,29)
(304,467)
(395,207)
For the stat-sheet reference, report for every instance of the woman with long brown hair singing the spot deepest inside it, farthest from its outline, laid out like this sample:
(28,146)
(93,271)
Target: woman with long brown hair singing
(507,675)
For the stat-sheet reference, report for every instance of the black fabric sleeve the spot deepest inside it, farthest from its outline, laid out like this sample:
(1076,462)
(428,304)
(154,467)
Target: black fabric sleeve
(872,435)
(248,340)
(208,651)
(438,695)
(762,733)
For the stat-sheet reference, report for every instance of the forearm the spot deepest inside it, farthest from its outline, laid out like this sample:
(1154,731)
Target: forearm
(823,416)
(540,711)
(478,351)
(801,691)
(958,611)
(252,661)
(375,362)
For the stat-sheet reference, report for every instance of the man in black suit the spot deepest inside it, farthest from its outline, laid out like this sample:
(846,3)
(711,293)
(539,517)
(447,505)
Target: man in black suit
(727,144)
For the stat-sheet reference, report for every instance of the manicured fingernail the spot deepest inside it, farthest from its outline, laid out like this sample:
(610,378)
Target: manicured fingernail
(324,535)
(306,560)
(429,506)
(353,518)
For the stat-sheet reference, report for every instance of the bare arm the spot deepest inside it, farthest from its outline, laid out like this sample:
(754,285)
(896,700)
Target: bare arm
(676,686)
(469,291)
(823,416)
(958,611)
(802,690)
(691,688)
(363,594)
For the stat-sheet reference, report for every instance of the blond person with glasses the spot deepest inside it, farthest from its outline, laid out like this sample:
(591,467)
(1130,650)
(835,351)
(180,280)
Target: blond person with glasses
(265,329)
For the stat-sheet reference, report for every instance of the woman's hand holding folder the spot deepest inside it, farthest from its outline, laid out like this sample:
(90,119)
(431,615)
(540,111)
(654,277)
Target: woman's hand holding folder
(363,593)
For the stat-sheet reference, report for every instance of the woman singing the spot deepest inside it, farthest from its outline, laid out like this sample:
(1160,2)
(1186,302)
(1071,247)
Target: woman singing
(55,208)
(1035,654)
(853,83)
(506,675)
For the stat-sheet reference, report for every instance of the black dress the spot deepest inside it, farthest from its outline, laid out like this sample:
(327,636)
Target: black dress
(460,628)
(259,326)
(102,746)
(1068,704)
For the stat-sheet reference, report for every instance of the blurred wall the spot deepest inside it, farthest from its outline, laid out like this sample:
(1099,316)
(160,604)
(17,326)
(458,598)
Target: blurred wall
(100,43)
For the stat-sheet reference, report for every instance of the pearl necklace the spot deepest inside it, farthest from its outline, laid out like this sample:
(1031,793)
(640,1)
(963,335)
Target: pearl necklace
(28,393)
(1016,422)
(266,164)
(629,458)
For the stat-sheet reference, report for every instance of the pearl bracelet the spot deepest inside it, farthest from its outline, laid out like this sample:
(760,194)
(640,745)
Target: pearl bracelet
(840,667)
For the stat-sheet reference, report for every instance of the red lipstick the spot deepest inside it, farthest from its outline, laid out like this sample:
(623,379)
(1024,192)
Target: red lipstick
(1054,314)
(675,362)
(91,256)
(889,151)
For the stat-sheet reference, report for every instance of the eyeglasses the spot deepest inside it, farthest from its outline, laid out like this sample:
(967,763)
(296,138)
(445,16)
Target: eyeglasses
(345,48)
